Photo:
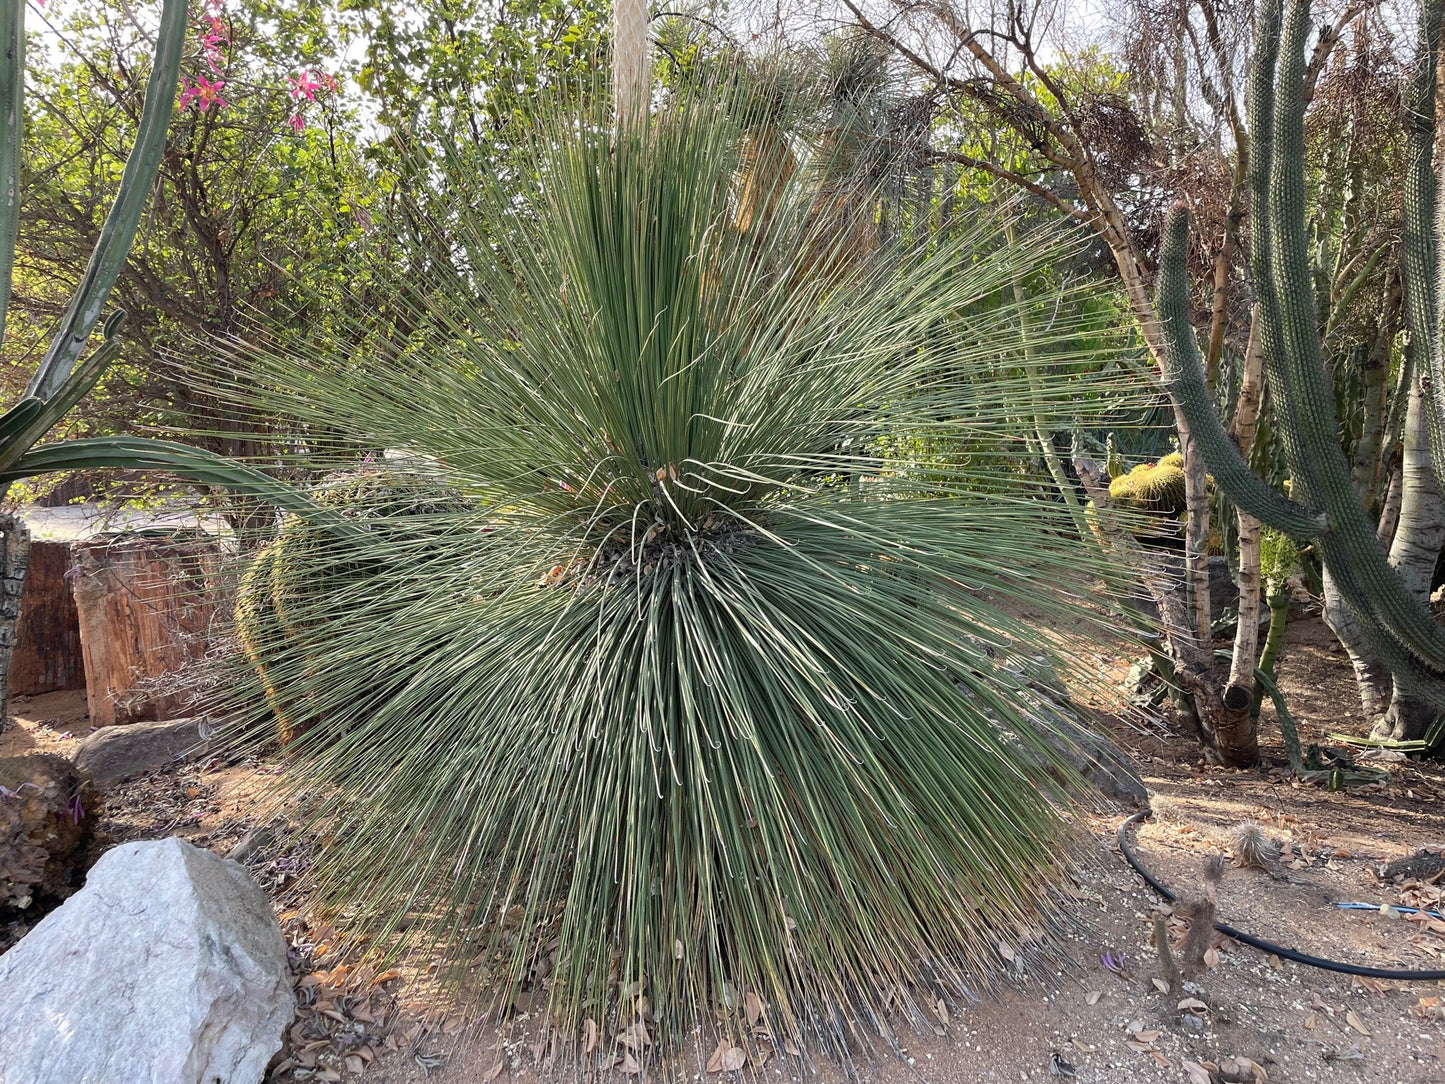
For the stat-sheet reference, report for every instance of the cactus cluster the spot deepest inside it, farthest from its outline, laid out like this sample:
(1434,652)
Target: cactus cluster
(1151,487)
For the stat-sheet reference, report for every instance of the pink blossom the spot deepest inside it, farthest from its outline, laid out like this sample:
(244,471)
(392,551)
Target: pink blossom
(303,86)
(297,122)
(204,92)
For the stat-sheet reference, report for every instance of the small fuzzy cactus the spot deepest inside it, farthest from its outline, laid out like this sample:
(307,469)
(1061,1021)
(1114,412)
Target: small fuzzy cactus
(1113,461)
(1252,847)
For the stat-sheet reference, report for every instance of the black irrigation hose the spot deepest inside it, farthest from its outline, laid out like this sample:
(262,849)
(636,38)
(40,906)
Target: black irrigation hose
(1259,942)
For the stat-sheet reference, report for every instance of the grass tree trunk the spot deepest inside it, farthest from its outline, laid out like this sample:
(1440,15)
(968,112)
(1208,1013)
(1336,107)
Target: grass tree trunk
(630,64)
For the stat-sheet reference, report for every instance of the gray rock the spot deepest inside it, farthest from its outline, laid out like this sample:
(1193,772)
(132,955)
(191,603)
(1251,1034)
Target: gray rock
(114,754)
(166,968)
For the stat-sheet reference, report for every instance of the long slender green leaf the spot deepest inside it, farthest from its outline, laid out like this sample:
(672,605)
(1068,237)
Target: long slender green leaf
(118,232)
(194,464)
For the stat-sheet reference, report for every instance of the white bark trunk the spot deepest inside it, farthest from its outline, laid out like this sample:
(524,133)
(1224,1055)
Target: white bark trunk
(1419,536)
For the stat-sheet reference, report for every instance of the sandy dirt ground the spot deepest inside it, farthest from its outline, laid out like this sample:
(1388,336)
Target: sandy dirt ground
(1106,1013)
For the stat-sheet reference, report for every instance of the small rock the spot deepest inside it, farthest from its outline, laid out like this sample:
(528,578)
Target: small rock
(1192,1022)
(168,966)
(114,754)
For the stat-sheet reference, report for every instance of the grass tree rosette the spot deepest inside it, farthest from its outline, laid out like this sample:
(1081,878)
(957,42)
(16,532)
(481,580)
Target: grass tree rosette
(705,692)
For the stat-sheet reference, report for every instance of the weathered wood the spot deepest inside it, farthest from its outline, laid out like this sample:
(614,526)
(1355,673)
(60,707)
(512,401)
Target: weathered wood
(14,561)
(47,639)
(145,602)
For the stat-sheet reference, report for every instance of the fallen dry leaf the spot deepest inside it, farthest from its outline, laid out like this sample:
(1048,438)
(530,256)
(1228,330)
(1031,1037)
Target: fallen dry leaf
(1356,1023)
(1211,956)
(1243,1069)
(714,1063)
(589,1035)
(1160,1059)
(753,1006)
(354,1064)
(494,1072)
(1192,1004)
(734,1059)
(1006,951)
(1147,1036)
(942,1010)
(635,1036)
(1092,997)
(629,1065)
(1161,986)
(1430,1008)
(1197,1073)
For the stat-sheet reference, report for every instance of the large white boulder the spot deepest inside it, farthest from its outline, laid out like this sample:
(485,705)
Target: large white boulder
(166,968)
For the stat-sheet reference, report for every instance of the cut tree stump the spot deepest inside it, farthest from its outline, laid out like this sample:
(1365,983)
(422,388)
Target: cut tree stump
(47,639)
(145,602)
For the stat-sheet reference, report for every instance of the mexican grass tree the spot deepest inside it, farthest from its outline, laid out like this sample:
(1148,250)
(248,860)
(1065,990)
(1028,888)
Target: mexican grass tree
(696,694)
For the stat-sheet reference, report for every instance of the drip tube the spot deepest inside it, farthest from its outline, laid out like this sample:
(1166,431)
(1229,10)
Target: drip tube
(1258,942)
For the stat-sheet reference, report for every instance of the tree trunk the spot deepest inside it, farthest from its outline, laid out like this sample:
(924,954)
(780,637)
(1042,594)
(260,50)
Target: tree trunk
(14,562)
(146,605)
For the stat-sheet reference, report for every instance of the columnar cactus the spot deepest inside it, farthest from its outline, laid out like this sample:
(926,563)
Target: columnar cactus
(1325,508)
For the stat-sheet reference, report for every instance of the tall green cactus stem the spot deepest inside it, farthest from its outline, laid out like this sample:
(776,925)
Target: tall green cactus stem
(1184,376)
(1399,626)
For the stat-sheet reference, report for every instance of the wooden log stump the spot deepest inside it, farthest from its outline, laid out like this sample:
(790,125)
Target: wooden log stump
(145,603)
(47,639)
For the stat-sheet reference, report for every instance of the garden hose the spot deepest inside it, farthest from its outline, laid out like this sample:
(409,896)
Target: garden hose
(1391,906)
(1259,942)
